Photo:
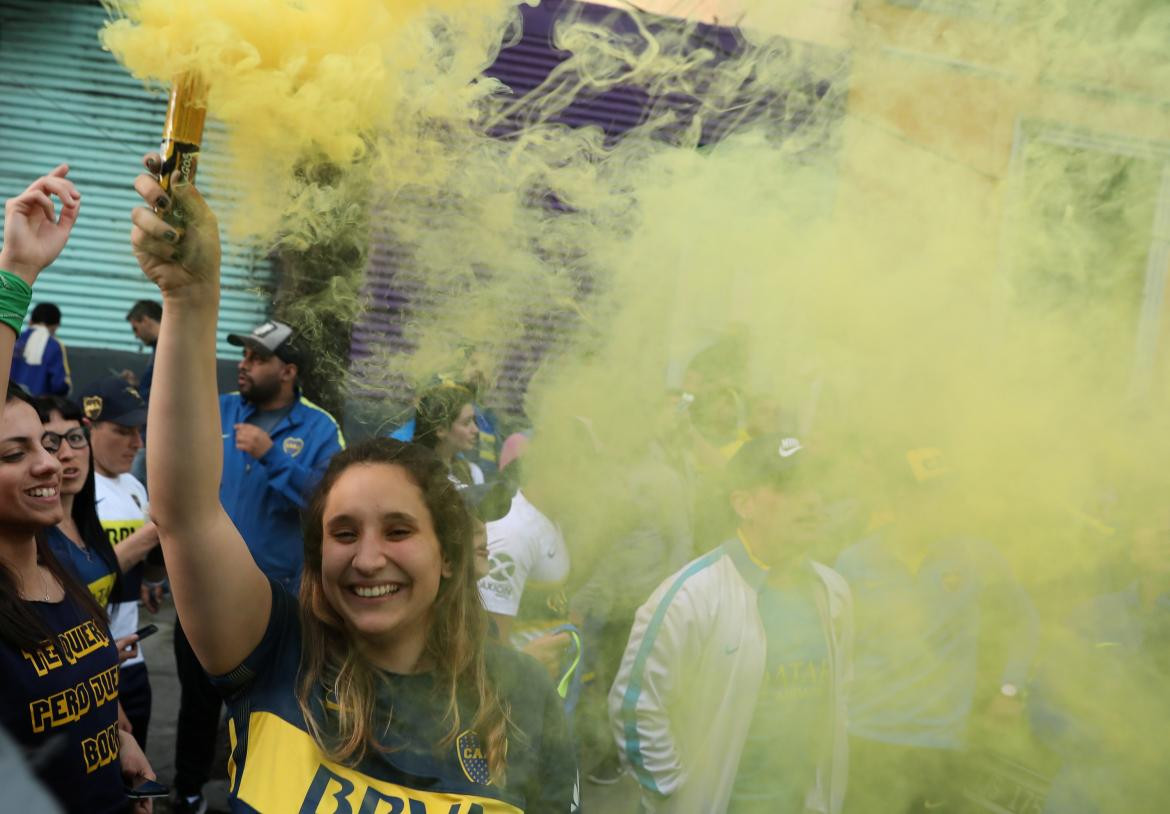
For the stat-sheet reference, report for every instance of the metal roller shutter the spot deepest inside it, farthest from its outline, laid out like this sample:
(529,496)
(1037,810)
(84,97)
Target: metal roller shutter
(523,67)
(62,98)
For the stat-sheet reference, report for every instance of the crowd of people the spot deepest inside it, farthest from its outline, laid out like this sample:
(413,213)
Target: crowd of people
(418,622)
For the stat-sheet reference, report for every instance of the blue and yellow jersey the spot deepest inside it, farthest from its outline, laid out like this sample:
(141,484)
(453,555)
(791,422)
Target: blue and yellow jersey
(275,765)
(88,566)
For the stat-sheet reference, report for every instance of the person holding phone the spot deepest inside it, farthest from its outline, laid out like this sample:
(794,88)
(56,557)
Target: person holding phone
(375,688)
(117,413)
(58,659)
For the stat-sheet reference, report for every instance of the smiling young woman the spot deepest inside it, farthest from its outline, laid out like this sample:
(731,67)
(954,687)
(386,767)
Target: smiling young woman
(389,557)
(53,634)
(378,687)
(59,662)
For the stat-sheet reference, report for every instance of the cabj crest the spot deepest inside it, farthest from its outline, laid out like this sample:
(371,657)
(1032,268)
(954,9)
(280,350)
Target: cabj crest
(472,758)
(92,405)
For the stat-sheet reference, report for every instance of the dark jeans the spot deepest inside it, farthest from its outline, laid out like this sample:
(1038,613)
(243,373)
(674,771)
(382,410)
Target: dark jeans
(605,644)
(198,726)
(135,696)
(887,778)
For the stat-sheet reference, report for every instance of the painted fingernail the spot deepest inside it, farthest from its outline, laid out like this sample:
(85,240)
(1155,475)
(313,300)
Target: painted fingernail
(163,202)
(171,236)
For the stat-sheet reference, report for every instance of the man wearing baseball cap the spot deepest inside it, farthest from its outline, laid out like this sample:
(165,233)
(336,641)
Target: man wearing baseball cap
(117,414)
(276,446)
(731,693)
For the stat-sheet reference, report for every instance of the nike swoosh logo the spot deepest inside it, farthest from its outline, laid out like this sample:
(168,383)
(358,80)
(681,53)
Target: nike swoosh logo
(789,447)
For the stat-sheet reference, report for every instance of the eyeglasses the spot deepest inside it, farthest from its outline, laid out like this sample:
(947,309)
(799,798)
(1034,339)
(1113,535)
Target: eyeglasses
(76,439)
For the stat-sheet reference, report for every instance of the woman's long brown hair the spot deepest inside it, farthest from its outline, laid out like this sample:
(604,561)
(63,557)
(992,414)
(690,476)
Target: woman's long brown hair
(331,662)
(438,409)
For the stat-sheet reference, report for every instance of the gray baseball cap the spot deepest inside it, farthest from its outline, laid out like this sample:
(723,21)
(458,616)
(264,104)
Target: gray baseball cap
(270,338)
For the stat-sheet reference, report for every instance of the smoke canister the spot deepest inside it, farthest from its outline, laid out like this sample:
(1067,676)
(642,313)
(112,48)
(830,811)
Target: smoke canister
(183,131)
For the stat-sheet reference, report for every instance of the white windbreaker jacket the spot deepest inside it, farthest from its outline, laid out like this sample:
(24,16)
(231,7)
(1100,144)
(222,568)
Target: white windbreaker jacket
(685,694)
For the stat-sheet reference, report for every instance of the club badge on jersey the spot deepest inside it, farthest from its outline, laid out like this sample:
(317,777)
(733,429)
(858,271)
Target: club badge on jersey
(472,759)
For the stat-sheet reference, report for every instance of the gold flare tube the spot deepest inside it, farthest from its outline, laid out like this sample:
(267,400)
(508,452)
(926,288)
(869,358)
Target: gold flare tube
(183,131)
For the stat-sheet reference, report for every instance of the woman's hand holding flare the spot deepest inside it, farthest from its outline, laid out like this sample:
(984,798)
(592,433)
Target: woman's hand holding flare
(182,261)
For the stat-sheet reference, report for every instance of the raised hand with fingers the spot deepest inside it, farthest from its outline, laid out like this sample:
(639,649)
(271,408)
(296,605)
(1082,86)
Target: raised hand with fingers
(34,233)
(182,261)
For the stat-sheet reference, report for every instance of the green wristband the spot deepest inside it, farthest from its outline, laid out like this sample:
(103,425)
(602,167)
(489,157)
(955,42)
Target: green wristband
(15,297)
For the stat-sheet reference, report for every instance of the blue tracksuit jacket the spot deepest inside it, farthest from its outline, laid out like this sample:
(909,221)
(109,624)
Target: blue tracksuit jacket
(48,375)
(264,497)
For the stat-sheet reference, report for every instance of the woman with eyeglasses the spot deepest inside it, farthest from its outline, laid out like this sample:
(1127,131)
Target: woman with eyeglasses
(78,540)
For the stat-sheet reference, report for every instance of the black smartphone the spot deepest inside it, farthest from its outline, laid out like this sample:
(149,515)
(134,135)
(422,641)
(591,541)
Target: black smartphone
(146,790)
(149,630)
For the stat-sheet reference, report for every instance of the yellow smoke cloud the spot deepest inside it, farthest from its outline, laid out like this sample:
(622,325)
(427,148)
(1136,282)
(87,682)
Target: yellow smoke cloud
(304,83)
(946,230)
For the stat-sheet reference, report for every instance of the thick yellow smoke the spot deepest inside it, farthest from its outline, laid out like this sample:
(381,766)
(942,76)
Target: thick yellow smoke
(947,229)
(301,83)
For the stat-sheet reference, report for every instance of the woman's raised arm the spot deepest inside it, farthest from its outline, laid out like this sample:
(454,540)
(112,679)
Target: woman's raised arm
(222,598)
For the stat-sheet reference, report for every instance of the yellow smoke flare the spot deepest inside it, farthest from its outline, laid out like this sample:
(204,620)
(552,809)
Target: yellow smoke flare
(949,229)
